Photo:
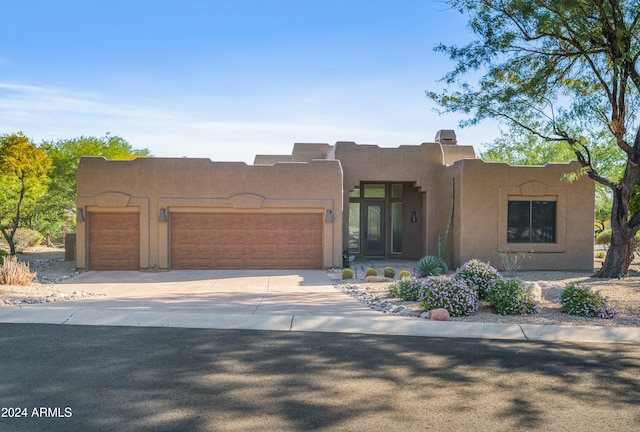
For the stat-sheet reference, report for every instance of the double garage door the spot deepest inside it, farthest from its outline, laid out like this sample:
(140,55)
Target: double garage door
(246,241)
(211,241)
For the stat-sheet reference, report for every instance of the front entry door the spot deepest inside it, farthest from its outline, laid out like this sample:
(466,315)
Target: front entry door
(374,229)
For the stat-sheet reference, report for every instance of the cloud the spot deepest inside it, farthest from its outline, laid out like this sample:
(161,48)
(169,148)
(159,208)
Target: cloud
(49,114)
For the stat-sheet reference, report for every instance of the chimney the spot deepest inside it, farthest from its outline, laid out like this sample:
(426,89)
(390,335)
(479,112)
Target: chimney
(446,137)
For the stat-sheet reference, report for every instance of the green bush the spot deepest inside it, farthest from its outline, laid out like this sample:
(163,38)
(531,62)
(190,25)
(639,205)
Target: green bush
(371,272)
(407,288)
(25,238)
(478,275)
(3,253)
(604,238)
(389,272)
(431,266)
(512,297)
(451,294)
(347,273)
(581,301)
(404,273)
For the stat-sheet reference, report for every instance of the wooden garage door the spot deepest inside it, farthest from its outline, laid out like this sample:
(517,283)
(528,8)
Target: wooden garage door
(251,241)
(114,241)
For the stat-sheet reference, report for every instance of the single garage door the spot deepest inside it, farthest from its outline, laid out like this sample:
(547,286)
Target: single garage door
(114,241)
(246,241)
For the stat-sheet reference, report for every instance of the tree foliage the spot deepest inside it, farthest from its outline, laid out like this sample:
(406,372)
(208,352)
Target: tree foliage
(55,213)
(23,172)
(565,71)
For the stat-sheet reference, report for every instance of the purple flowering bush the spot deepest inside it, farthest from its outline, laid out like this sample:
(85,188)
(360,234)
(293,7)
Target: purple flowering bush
(581,301)
(407,288)
(454,295)
(478,275)
(512,297)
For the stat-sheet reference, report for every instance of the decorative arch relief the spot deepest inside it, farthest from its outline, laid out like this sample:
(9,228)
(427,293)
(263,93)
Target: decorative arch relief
(246,201)
(533,188)
(112,199)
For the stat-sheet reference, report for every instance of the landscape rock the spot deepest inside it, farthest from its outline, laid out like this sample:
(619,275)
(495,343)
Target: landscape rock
(536,290)
(439,314)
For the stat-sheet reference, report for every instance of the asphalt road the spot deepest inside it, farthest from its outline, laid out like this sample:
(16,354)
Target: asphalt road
(77,378)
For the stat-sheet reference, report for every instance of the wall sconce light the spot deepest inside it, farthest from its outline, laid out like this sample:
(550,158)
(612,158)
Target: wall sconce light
(80,216)
(163,215)
(414,216)
(329,217)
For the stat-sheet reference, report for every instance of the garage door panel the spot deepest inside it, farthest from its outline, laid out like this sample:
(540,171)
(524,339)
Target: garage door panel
(236,241)
(114,241)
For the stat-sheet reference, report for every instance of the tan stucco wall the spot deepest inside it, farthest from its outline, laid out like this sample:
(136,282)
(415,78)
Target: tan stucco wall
(482,192)
(200,185)
(420,165)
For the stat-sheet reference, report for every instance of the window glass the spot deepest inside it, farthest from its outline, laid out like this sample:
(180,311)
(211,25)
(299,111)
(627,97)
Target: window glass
(531,222)
(374,191)
(354,228)
(396,227)
(355,193)
(396,191)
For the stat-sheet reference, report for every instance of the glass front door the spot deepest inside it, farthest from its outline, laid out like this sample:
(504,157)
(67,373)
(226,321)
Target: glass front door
(374,229)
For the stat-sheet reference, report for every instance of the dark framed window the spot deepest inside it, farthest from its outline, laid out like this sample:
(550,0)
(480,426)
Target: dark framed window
(531,222)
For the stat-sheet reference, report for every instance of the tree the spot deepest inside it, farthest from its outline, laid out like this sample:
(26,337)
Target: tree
(559,69)
(23,171)
(518,147)
(55,213)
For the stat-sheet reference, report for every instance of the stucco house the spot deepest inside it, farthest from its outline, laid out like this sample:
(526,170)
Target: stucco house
(304,210)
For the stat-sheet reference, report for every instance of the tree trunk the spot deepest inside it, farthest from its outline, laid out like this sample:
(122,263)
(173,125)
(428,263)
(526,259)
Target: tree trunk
(9,238)
(623,242)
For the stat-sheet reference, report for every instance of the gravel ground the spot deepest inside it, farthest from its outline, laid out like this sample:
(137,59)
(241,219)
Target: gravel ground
(623,294)
(50,268)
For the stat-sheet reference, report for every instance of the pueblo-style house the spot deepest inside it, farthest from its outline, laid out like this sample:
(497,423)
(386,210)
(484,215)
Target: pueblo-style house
(308,209)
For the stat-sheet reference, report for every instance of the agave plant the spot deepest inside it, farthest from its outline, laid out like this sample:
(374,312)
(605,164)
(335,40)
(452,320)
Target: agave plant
(431,266)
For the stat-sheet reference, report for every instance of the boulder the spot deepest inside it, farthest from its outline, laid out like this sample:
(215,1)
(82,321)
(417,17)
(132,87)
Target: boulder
(536,290)
(439,314)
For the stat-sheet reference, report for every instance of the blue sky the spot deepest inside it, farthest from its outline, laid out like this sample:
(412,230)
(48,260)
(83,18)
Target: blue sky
(228,79)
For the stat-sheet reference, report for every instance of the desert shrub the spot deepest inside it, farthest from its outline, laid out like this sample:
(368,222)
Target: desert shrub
(580,300)
(14,272)
(407,288)
(599,254)
(404,274)
(452,294)
(24,238)
(347,273)
(389,272)
(512,297)
(478,275)
(431,266)
(604,238)
(3,253)
(371,272)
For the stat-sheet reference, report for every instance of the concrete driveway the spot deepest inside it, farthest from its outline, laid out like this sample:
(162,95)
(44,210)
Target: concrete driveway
(250,292)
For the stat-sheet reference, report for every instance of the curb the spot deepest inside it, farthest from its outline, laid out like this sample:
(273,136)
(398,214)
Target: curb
(383,325)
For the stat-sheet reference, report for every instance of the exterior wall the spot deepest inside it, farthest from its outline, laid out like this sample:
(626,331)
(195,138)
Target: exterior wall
(317,178)
(420,165)
(148,185)
(480,223)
